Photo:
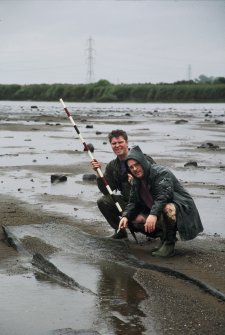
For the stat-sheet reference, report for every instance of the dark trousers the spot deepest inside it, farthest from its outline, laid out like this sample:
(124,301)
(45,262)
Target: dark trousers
(165,229)
(109,210)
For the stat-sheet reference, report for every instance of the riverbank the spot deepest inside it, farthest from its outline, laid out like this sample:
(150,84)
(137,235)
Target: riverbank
(104,91)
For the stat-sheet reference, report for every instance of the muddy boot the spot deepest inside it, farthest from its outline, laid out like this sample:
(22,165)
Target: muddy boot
(168,239)
(160,232)
(166,250)
(162,240)
(159,246)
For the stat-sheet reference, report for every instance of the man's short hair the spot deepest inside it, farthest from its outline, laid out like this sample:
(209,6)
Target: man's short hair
(117,133)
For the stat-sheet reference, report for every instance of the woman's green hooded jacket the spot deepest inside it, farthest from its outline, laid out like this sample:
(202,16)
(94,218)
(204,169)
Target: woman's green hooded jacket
(164,188)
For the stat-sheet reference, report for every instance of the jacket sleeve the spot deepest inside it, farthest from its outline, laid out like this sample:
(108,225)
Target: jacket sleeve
(163,190)
(131,209)
(109,176)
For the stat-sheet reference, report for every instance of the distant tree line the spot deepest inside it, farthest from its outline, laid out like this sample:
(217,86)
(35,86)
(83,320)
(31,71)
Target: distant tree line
(204,89)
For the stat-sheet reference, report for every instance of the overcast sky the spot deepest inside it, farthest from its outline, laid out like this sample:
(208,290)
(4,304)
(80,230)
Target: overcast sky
(132,41)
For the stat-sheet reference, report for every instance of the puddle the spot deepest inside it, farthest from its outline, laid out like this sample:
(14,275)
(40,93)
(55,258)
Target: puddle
(30,306)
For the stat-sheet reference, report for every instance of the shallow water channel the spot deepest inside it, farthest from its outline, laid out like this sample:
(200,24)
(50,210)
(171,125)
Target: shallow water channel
(37,304)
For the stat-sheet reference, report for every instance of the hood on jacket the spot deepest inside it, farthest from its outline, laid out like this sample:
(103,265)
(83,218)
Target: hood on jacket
(136,154)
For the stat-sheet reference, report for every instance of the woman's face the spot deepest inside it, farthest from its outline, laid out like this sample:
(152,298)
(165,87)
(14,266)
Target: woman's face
(135,168)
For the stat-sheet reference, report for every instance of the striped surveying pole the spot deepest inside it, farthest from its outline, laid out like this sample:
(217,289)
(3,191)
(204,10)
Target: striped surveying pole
(99,171)
(86,148)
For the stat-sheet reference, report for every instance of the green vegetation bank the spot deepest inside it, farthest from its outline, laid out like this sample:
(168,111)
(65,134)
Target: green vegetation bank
(104,91)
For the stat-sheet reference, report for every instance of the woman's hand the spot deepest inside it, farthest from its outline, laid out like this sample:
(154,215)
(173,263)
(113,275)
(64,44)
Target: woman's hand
(150,223)
(129,177)
(123,223)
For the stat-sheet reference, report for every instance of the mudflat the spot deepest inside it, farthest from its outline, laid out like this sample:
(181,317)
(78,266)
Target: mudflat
(187,291)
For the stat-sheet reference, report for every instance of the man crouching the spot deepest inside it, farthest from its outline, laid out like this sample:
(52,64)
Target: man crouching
(158,204)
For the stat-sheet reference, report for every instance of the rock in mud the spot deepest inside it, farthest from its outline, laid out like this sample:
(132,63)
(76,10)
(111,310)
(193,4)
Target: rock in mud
(208,145)
(13,241)
(69,331)
(182,121)
(191,163)
(58,178)
(89,177)
(219,122)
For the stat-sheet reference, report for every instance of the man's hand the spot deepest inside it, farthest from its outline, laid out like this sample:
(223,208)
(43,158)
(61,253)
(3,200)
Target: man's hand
(123,223)
(130,177)
(150,223)
(95,164)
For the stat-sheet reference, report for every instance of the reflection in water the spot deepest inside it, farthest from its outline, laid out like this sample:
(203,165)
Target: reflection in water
(119,300)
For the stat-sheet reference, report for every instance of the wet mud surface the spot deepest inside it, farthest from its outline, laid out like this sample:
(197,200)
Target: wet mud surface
(121,288)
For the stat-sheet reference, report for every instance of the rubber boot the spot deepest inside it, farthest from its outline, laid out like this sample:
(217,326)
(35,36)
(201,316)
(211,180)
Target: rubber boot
(166,250)
(168,240)
(159,246)
(161,232)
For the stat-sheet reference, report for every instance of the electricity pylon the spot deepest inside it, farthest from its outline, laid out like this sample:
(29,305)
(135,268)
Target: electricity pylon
(90,61)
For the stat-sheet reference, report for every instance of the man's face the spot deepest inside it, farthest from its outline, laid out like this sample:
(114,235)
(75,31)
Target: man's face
(119,146)
(135,168)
